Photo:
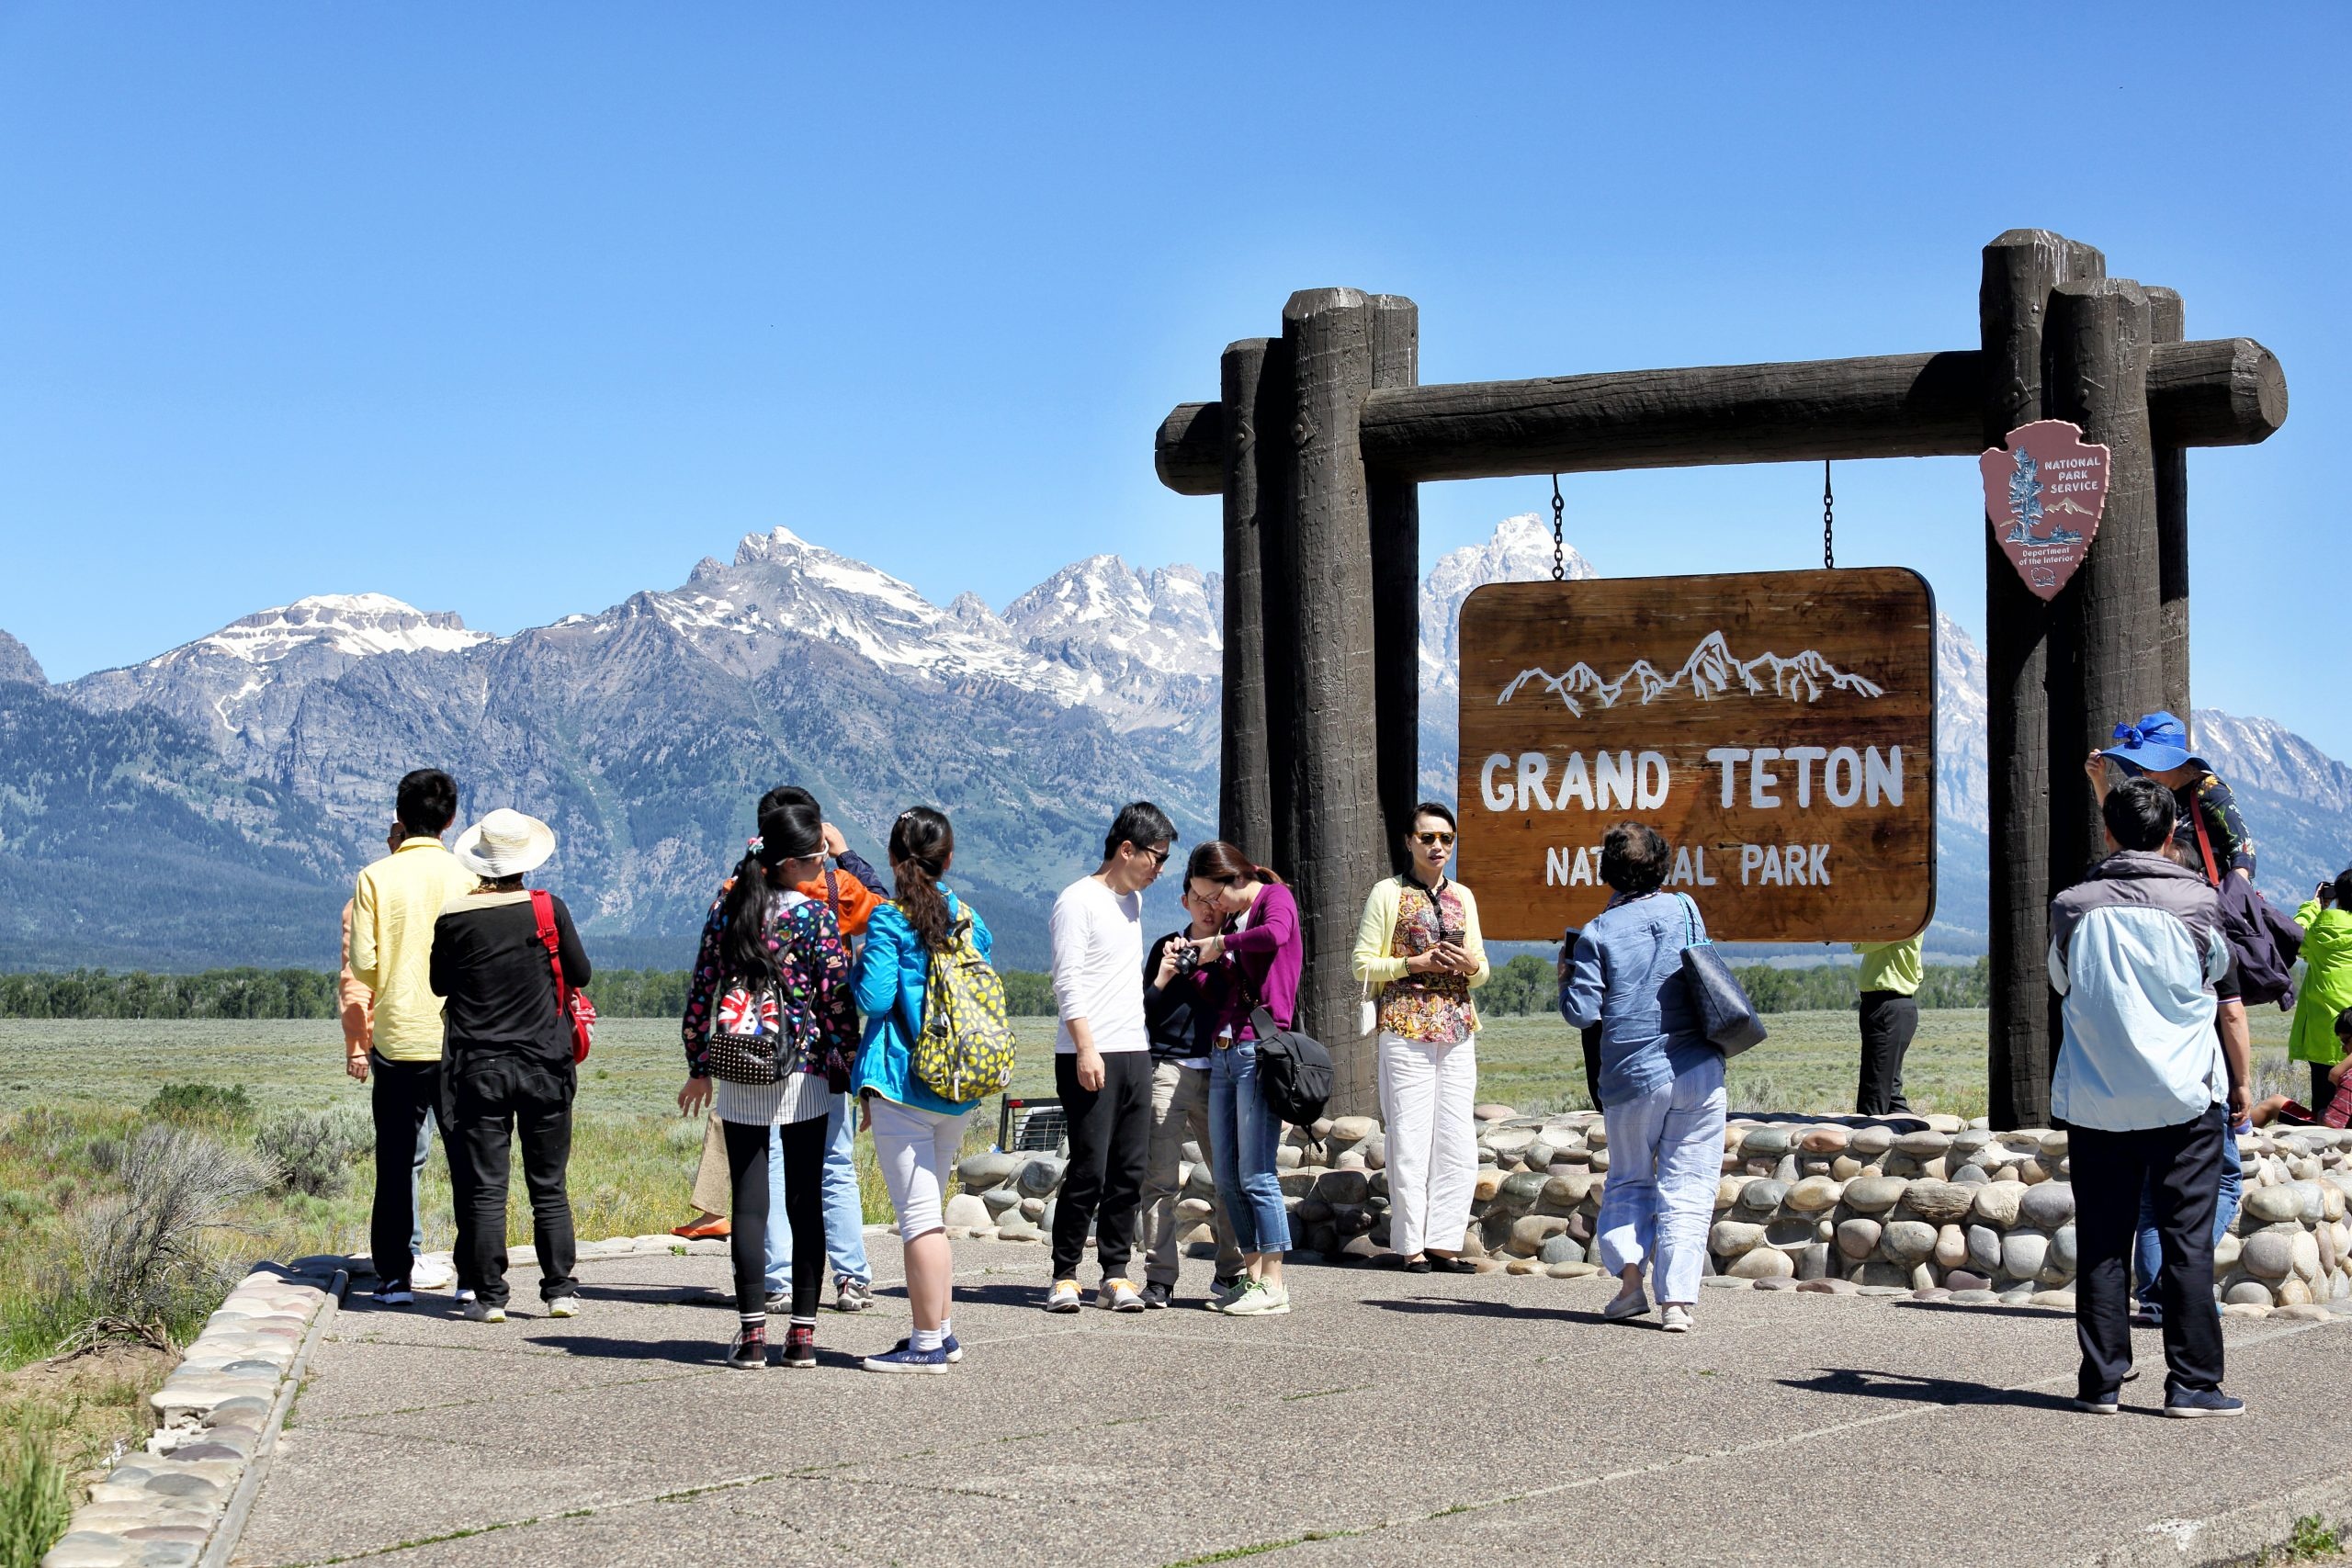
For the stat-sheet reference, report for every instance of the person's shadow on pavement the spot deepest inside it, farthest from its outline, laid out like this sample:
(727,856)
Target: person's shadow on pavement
(1923,1389)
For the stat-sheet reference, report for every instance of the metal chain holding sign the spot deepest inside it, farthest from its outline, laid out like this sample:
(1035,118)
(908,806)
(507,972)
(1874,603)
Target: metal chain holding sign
(1828,522)
(1559,535)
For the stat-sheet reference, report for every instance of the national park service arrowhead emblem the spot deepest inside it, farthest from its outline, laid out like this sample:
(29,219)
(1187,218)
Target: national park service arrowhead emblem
(2044,490)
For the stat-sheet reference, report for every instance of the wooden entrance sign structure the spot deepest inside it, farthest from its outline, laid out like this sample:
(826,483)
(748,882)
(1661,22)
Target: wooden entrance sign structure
(1320,437)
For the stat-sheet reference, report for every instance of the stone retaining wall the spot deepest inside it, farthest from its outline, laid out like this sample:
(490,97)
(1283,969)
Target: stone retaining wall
(1915,1204)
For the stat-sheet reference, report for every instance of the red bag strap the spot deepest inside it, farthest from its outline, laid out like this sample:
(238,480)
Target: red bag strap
(2204,845)
(543,911)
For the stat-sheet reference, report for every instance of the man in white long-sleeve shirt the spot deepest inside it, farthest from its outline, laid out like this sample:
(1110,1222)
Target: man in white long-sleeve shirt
(1102,1056)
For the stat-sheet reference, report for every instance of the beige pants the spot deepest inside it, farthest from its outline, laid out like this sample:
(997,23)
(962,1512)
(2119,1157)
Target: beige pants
(1179,1109)
(713,1194)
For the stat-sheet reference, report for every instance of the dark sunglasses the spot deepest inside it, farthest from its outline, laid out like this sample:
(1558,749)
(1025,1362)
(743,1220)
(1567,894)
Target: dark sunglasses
(1434,838)
(1158,857)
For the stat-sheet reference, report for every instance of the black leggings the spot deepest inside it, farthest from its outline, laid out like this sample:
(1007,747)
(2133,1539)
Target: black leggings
(804,1205)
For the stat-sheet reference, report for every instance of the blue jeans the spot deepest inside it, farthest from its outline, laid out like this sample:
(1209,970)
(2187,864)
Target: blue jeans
(844,1207)
(1666,1160)
(1244,1134)
(2146,1255)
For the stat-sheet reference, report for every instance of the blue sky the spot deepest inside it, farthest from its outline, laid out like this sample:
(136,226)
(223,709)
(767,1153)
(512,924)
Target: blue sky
(513,311)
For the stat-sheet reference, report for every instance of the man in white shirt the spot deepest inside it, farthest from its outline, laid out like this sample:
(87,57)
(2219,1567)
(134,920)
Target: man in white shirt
(1102,1056)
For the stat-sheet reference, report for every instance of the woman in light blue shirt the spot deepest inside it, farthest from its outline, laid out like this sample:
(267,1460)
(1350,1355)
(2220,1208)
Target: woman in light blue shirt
(917,1133)
(1661,1083)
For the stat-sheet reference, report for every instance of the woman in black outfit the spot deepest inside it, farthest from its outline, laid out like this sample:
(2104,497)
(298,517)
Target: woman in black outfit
(507,1059)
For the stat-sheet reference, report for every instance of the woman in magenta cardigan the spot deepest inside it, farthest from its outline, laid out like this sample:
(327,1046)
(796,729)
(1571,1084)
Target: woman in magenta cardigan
(1266,951)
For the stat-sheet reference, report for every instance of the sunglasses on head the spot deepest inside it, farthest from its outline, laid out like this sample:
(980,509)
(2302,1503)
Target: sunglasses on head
(1436,838)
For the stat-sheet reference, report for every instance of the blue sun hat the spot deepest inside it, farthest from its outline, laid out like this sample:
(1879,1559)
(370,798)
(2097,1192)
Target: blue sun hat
(2152,743)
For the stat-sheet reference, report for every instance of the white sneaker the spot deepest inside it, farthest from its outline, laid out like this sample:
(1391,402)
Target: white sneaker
(1675,1320)
(1259,1299)
(1622,1307)
(1065,1296)
(564,1306)
(1119,1295)
(431,1276)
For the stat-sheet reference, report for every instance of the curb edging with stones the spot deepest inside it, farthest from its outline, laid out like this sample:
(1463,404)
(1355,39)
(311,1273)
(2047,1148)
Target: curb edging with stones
(183,1500)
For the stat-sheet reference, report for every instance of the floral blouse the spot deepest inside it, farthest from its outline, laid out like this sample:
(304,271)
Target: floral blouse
(819,999)
(1433,1009)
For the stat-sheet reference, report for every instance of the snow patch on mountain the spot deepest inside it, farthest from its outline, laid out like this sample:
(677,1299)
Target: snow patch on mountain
(1519,551)
(359,625)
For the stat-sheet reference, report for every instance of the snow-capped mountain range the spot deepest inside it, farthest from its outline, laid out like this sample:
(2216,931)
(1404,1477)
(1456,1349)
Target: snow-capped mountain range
(265,753)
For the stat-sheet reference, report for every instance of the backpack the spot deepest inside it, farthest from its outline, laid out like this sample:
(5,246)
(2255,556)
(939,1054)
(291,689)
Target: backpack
(1293,1071)
(964,1050)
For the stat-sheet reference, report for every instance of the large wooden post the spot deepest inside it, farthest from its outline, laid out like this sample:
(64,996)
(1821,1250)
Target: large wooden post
(2021,268)
(2105,666)
(2169,323)
(1256,387)
(1395,508)
(1333,755)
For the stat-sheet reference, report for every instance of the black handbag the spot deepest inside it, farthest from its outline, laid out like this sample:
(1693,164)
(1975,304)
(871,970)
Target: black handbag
(1294,1072)
(1726,1017)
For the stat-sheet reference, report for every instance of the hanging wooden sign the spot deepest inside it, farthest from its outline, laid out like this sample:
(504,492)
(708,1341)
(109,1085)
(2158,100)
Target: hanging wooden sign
(2045,489)
(1778,727)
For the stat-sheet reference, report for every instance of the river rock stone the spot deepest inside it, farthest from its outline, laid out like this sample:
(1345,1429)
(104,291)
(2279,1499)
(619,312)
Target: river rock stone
(1729,1238)
(1763,1263)
(1493,1113)
(1039,1175)
(2304,1247)
(1765,1142)
(1873,1194)
(2292,1291)
(1845,1167)
(1815,1261)
(1813,1195)
(982,1171)
(1828,1287)
(1828,1138)
(1490,1182)
(1870,1142)
(1996,1203)
(1878,1276)
(1565,1190)
(2023,1253)
(1529,1233)
(1971,1176)
(1762,1196)
(1858,1238)
(1908,1242)
(1346,1187)
(2268,1254)
(1937,1202)
(1952,1247)
(965,1209)
(1967,1280)
(1923,1147)
(1561,1249)
(2273,1205)
(2047,1206)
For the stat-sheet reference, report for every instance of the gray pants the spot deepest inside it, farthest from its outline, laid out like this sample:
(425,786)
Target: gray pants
(1179,1109)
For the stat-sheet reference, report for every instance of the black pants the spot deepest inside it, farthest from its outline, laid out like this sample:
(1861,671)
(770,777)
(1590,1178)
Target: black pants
(1110,1145)
(1889,1021)
(1590,1036)
(490,1099)
(804,1204)
(401,1094)
(2181,1165)
(2322,1089)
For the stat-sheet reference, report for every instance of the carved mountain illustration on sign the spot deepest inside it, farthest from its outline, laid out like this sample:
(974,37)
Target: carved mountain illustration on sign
(1711,671)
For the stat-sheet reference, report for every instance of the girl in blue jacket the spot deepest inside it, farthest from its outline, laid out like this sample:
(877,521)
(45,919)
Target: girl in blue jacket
(917,1134)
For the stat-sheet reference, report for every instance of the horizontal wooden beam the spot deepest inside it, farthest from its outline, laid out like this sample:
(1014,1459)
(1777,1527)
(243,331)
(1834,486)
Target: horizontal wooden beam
(2224,392)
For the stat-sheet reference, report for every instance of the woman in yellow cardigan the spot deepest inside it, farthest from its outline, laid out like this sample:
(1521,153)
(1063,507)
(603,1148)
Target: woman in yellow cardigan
(1420,950)
(2327,990)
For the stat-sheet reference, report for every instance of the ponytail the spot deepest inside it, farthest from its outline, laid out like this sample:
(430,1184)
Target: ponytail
(789,831)
(921,843)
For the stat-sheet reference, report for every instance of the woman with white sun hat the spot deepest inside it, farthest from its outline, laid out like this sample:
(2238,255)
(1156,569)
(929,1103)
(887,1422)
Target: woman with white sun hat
(508,1069)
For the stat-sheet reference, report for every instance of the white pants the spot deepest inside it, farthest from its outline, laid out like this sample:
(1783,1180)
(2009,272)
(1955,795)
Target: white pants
(1666,1161)
(1426,1095)
(917,1151)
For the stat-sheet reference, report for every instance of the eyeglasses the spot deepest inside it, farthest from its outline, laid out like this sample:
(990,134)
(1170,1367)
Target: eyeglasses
(1158,857)
(1434,838)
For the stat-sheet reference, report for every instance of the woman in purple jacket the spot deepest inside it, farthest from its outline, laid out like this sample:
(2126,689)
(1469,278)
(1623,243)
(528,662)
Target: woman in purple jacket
(1265,952)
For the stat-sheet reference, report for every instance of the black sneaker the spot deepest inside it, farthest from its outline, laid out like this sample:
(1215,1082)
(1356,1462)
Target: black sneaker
(800,1347)
(394,1294)
(2097,1404)
(1156,1296)
(748,1351)
(2190,1403)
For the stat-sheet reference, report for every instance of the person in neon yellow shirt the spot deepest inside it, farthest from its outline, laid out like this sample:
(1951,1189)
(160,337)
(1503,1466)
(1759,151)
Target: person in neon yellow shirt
(1889,1009)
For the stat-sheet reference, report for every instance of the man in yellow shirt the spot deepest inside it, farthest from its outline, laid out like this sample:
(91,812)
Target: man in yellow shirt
(392,912)
(1890,1017)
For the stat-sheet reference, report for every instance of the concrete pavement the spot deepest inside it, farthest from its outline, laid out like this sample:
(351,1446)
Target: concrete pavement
(1392,1418)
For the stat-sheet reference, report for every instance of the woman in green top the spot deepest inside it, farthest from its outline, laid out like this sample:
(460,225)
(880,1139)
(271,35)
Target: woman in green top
(1889,1007)
(2327,990)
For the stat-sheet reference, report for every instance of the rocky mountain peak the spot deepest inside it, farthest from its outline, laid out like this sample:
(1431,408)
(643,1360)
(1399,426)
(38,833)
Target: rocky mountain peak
(1519,551)
(358,625)
(17,663)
